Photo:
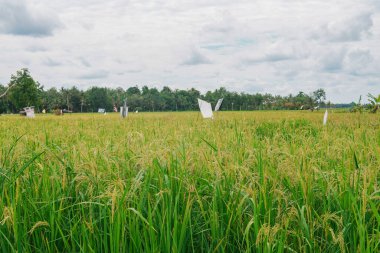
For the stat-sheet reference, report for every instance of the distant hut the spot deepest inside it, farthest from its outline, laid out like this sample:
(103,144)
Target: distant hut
(28,112)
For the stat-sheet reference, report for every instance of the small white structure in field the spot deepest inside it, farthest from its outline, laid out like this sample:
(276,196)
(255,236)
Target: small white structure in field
(124,109)
(325,118)
(123,112)
(29,111)
(101,110)
(205,108)
(137,111)
(217,107)
(301,108)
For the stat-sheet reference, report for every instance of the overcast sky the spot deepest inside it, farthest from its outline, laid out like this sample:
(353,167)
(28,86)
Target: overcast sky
(274,46)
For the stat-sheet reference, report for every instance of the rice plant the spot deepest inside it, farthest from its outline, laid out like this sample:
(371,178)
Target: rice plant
(173,182)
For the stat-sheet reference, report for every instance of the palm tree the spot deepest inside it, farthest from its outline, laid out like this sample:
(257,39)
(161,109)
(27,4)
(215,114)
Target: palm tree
(375,102)
(358,107)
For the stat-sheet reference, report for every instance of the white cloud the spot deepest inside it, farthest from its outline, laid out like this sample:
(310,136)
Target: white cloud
(196,58)
(353,28)
(17,17)
(361,62)
(272,46)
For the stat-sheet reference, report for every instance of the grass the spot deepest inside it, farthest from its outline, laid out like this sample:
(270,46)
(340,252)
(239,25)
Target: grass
(173,182)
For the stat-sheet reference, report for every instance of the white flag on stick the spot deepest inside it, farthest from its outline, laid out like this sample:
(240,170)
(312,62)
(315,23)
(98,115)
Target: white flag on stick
(217,107)
(124,109)
(205,108)
(122,114)
(325,118)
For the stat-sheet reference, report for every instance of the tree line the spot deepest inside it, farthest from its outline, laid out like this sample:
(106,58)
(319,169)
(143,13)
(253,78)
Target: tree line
(23,91)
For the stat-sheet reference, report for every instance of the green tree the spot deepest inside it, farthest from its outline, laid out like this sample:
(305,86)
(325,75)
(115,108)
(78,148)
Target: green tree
(302,101)
(52,99)
(375,102)
(75,99)
(99,98)
(357,107)
(25,91)
(194,94)
(133,91)
(29,92)
(118,96)
(319,96)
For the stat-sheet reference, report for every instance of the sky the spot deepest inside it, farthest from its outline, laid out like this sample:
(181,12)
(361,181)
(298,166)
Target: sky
(264,46)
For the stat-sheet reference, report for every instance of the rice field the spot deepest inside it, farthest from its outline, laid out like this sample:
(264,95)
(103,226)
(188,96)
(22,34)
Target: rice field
(173,182)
